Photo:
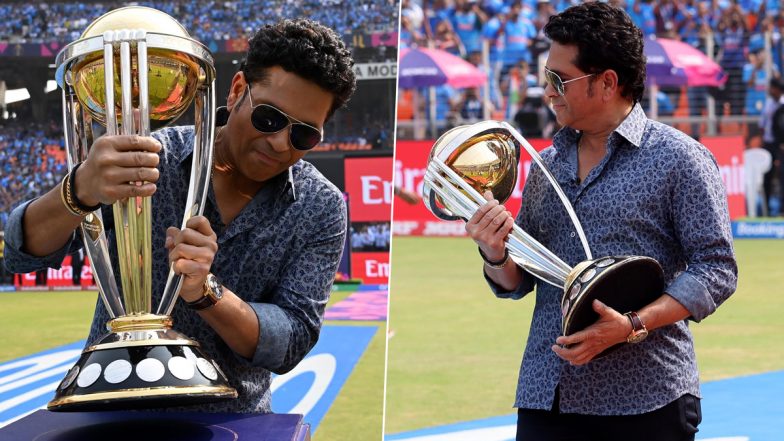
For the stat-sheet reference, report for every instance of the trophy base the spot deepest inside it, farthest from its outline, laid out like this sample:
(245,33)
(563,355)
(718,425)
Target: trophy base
(624,283)
(141,370)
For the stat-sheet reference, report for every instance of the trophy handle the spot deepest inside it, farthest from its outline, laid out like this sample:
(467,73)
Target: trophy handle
(432,205)
(564,200)
(201,168)
(77,136)
(525,251)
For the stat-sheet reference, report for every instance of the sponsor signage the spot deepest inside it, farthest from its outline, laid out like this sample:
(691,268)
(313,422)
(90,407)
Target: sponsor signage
(375,71)
(57,279)
(758,230)
(370,189)
(369,185)
(371,267)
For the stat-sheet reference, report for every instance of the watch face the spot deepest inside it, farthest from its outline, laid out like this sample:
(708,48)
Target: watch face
(638,336)
(216,288)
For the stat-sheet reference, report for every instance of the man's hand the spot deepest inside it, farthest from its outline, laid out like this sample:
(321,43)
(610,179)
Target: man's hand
(191,252)
(115,165)
(611,328)
(489,226)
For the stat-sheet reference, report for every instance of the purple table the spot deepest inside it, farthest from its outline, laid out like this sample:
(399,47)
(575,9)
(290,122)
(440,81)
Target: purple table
(155,426)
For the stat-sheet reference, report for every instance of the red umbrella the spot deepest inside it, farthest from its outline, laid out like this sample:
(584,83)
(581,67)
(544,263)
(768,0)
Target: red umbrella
(432,67)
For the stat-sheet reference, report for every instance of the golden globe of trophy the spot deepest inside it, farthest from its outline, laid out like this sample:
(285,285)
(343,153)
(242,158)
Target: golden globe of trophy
(467,161)
(135,69)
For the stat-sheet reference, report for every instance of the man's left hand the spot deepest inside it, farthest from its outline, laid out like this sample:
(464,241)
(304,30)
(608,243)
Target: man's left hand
(191,252)
(611,328)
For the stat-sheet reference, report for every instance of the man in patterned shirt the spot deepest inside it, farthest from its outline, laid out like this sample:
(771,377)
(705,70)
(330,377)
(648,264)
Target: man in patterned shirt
(273,227)
(639,188)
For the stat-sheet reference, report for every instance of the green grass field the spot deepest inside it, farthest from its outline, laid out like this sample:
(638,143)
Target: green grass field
(34,321)
(456,349)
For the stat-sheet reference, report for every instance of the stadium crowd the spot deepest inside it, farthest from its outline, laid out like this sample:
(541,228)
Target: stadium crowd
(370,236)
(511,31)
(208,20)
(32,160)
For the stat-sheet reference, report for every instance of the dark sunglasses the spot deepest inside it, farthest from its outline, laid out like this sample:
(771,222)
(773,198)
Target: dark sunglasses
(268,119)
(557,83)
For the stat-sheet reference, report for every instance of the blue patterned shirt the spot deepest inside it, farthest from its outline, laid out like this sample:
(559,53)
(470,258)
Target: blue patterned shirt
(656,193)
(280,255)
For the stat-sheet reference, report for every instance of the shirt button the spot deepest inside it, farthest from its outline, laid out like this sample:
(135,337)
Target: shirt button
(572,234)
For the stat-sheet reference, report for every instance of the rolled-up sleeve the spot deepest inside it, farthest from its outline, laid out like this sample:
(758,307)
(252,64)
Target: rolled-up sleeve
(701,219)
(289,324)
(16,260)
(525,286)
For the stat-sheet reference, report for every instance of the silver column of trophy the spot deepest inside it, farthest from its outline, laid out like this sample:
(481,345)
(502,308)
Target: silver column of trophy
(469,160)
(135,69)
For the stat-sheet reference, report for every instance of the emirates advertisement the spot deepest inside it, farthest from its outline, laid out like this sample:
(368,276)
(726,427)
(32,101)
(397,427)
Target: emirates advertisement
(416,220)
(74,272)
(370,192)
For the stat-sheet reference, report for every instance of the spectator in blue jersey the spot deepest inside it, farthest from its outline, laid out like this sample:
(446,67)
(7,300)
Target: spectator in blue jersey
(756,79)
(493,34)
(467,21)
(733,37)
(698,25)
(777,41)
(518,32)
(643,15)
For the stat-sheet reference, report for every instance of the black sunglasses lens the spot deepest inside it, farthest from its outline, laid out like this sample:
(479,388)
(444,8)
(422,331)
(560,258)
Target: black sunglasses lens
(304,137)
(268,119)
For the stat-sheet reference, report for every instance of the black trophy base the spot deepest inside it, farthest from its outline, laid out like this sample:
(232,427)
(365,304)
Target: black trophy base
(624,283)
(141,370)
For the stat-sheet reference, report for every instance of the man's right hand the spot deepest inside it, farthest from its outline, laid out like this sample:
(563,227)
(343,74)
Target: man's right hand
(118,167)
(489,226)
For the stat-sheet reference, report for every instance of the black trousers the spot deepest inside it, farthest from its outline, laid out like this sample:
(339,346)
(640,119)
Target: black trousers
(676,421)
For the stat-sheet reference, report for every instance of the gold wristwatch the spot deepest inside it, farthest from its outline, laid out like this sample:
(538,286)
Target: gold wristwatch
(639,331)
(213,292)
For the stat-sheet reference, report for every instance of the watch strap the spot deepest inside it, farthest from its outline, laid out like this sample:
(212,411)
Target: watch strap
(203,303)
(209,297)
(637,327)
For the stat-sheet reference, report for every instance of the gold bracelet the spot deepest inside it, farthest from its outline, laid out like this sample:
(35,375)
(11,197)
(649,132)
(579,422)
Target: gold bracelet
(67,198)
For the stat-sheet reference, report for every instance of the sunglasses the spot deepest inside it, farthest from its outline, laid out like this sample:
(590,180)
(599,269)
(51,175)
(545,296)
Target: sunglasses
(557,83)
(268,119)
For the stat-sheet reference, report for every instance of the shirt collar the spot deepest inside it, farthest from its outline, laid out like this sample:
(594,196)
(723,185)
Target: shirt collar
(630,129)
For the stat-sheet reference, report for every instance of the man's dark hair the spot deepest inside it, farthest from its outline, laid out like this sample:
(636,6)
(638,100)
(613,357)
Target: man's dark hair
(606,38)
(307,49)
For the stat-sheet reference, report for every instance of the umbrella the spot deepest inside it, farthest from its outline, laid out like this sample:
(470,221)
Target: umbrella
(432,67)
(674,63)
